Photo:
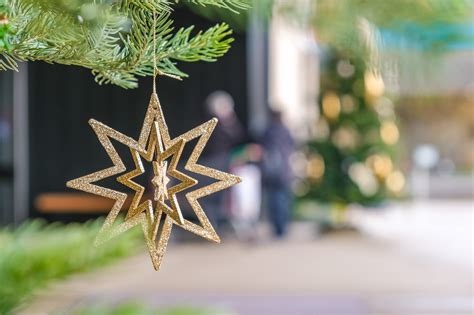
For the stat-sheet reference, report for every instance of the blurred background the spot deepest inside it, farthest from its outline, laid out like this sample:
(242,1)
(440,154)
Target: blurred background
(352,125)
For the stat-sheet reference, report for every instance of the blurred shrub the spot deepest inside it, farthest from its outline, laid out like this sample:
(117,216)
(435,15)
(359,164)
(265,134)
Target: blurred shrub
(138,309)
(37,253)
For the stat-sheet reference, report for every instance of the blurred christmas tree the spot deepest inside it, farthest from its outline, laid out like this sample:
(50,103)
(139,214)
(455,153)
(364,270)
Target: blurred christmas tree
(351,159)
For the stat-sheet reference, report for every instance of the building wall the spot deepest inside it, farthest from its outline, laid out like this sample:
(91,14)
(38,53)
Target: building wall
(293,74)
(447,122)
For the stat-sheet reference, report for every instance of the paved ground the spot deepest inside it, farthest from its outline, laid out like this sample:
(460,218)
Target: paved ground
(339,274)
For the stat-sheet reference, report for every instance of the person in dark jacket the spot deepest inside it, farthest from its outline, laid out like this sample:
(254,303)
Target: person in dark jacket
(227,134)
(278,145)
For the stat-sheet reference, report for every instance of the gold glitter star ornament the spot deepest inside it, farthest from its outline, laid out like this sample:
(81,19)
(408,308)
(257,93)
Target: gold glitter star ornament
(155,217)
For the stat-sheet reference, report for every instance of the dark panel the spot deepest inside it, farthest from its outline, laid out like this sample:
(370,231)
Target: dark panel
(6,147)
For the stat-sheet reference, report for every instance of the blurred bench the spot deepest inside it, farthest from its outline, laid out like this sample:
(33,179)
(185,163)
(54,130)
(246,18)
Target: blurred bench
(74,203)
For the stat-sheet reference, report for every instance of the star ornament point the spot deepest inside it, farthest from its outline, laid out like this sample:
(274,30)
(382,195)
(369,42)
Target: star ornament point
(157,216)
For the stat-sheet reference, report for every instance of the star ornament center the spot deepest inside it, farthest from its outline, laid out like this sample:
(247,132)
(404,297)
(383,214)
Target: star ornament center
(156,217)
(160,181)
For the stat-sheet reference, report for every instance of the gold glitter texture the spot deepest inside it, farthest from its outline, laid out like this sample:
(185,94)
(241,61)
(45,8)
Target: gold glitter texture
(155,145)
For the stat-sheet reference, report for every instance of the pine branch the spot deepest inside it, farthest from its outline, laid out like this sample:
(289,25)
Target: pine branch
(113,39)
(206,46)
(232,5)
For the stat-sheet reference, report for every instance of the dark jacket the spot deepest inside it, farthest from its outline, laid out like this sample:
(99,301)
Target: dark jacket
(278,146)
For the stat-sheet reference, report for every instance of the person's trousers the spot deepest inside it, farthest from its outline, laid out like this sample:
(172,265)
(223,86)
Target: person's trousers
(279,209)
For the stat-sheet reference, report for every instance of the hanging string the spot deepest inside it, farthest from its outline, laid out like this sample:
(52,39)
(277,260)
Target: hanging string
(154,52)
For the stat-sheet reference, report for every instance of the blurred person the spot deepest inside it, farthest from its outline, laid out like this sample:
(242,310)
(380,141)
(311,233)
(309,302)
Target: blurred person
(5,129)
(226,136)
(278,146)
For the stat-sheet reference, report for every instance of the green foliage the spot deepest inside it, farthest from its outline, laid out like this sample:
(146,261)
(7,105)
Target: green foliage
(343,18)
(238,22)
(115,39)
(5,36)
(231,5)
(138,309)
(5,29)
(338,23)
(3,6)
(36,253)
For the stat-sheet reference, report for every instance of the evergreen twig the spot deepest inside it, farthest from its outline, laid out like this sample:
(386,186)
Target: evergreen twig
(112,38)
